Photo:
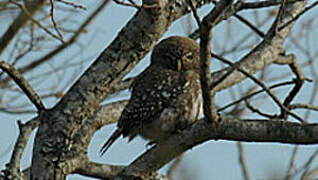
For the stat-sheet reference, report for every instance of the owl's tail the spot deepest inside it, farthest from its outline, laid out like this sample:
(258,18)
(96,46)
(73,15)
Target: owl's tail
(110,141)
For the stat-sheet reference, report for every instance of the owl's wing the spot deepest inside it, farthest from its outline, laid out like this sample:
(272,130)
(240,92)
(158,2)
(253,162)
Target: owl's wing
(153,91)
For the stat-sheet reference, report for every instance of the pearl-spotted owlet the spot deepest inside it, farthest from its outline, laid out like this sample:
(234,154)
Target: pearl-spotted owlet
(166,97)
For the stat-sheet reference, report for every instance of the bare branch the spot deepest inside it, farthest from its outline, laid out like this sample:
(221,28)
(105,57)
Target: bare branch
(298,15)
(242,161)
(261,84)
(228,129)
(95,170)
(52,2)
(253,94)
(26,11)
(303,106)
(291,163)
(23,84)
(63,46)
(207,24)
(32,7)
(13,167)
(72,4)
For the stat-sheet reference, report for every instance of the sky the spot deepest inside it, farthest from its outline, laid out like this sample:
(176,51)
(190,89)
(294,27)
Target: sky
(210,160)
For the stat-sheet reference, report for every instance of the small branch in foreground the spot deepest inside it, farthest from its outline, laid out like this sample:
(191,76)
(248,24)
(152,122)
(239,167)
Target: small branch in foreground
(23,84)
(206,27)
(13,167)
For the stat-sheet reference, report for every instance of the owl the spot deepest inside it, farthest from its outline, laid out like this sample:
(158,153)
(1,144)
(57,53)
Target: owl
(166,97)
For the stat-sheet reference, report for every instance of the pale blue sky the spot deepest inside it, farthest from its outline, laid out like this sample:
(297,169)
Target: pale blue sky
(210,160)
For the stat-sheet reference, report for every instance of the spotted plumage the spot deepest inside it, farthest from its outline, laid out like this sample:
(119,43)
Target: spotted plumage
(166,97)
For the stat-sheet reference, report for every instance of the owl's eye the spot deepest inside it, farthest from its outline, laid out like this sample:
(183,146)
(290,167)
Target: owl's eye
(188,56)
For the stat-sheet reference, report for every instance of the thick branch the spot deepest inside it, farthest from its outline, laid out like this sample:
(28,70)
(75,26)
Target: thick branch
(96,170)
(13,167)
(228,129)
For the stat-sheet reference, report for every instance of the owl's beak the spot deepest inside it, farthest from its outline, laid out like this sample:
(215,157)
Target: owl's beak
(179,65)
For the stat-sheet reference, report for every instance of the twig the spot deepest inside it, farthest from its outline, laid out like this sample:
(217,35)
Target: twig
(63,46)
(250,25)
(16,112)
(292,163)
(300,78)
(242,161)
(298,15)
(23,84)
(195,13)
(53,20)
(253,94)
(231,10)
(264,4)
(307,165)
(72,4)
(255,110)
(279,16)
(276,100)
(35,21)
(303,106)
(291,96)
(17,24)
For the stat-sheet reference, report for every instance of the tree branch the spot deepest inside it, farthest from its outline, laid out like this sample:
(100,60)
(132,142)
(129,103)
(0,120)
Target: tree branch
(32,6)
(228,129)
(206,26)
(23,84)
(13,167)
(61,47)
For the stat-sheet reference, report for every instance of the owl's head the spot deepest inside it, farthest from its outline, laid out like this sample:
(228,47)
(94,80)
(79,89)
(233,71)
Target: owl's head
(176,53)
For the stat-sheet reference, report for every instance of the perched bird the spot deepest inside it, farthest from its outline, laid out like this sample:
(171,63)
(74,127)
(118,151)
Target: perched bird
(166,97)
